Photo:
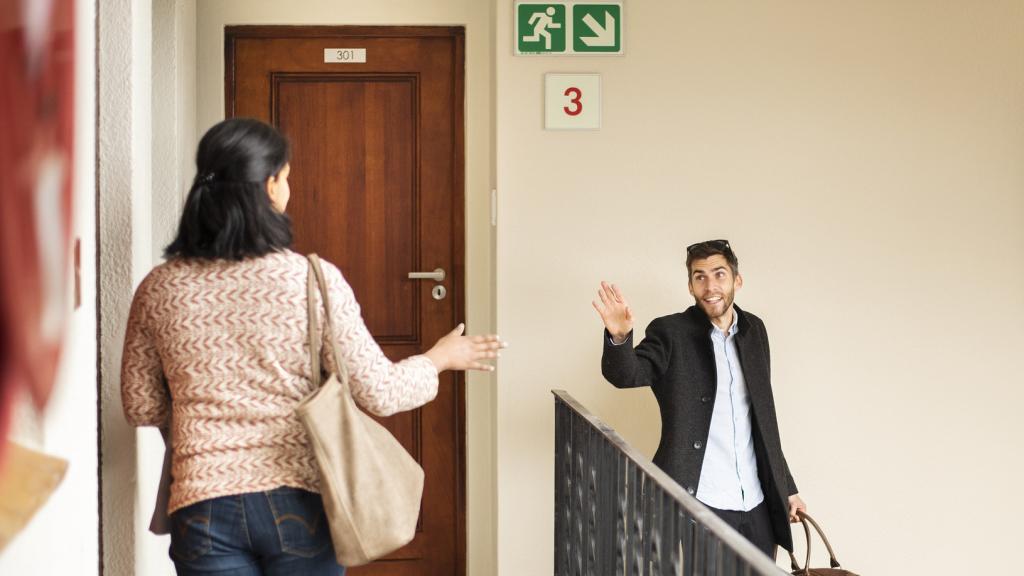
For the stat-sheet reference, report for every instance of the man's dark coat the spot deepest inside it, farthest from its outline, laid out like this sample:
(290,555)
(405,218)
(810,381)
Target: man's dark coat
(677,360)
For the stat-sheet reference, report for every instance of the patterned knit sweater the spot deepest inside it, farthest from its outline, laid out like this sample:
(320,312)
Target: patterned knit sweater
(218,352)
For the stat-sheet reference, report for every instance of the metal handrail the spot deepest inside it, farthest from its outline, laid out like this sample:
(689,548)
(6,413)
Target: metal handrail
(616,513)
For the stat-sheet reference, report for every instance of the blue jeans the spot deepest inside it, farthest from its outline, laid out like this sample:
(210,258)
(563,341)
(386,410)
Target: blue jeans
(282,532)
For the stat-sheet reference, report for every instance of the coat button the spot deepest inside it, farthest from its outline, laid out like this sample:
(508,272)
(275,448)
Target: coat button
(698,444)
(690,490)
(705,399)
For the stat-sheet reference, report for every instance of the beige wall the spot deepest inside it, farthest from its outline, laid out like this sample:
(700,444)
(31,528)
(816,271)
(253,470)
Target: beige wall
(865,159)
(476,16)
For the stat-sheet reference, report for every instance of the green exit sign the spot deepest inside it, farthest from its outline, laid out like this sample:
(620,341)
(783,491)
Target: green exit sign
(568,27)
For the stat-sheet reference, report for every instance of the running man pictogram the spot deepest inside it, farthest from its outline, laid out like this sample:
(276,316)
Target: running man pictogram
(542,22)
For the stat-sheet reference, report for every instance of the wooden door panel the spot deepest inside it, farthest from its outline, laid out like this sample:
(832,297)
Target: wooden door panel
(376,189)
(371,152)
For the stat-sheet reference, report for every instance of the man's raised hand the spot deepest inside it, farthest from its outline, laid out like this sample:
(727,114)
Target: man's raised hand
(614,311)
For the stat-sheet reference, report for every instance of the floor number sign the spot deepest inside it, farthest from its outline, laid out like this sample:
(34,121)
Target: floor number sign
(572,101)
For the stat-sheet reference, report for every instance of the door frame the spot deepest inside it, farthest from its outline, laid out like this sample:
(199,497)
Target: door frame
(458,256)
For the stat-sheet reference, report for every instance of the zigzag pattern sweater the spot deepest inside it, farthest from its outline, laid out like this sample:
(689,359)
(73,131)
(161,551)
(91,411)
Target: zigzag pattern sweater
(218,352)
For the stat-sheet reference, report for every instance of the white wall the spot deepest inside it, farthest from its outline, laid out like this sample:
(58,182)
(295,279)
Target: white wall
(174,115)
(124,151)
(67,428)
(146,139)
(172,152)
(864,158)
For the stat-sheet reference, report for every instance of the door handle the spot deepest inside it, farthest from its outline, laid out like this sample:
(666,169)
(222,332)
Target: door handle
(437,275)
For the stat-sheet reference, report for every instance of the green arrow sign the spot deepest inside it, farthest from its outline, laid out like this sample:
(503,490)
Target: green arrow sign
(568,27)
(597,28)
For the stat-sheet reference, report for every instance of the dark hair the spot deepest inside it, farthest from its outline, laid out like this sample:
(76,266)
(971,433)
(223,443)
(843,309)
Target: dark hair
(709,248)
(228,213)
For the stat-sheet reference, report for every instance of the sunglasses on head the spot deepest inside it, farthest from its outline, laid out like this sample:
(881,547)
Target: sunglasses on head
(716,244)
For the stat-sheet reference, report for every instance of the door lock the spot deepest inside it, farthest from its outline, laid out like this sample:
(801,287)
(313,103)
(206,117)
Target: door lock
(439,292)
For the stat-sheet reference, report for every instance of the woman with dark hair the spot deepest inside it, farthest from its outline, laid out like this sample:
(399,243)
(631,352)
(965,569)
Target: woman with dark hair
(216,353)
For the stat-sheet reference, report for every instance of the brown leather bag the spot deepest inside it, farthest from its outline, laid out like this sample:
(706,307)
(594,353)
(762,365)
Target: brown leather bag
(835,570)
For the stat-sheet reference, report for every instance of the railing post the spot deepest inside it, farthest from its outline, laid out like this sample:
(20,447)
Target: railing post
(636,521)
(561,510)
(621,518)
(678,524)
(579,445)
(607,520)
(590,478)
(667,531)
(656,514)
(689,543)
(648,511)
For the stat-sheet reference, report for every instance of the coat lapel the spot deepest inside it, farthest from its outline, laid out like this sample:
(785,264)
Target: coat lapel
(750,359)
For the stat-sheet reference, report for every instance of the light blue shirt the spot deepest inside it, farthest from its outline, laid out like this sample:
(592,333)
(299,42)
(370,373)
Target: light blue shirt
(728,478)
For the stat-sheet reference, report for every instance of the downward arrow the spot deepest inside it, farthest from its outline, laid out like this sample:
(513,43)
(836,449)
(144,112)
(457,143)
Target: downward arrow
(605,34)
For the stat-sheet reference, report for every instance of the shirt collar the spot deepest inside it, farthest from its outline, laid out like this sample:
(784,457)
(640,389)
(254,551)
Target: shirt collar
(733,329)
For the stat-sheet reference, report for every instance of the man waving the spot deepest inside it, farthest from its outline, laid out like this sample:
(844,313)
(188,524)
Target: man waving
(709,368)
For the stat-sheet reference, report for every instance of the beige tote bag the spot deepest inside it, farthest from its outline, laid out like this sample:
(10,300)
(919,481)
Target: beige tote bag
(371,487)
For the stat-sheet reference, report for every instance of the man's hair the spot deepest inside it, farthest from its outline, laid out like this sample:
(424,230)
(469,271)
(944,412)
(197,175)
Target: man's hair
(709,248)
(228,214)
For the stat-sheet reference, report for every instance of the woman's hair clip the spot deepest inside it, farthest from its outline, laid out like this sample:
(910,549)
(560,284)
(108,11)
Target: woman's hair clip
(206,177)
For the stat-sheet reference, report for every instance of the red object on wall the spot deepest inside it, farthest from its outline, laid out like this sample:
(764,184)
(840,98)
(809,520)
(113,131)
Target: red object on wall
(36,144)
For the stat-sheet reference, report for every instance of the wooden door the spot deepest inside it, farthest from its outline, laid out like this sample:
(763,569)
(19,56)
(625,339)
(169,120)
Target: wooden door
(377,188)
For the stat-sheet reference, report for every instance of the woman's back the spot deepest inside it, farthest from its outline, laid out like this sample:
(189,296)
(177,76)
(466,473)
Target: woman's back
(231,339)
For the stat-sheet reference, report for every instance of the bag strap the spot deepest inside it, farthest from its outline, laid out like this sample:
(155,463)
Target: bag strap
(831,553)
(313,328)
(804,519)
(314,277)
(807,561)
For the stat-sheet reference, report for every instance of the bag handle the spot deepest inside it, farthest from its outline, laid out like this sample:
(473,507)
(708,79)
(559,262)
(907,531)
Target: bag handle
(316,275)
(804,519)
(807,562)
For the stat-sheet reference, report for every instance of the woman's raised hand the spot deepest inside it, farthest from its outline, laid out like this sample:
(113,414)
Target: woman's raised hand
(455,351)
